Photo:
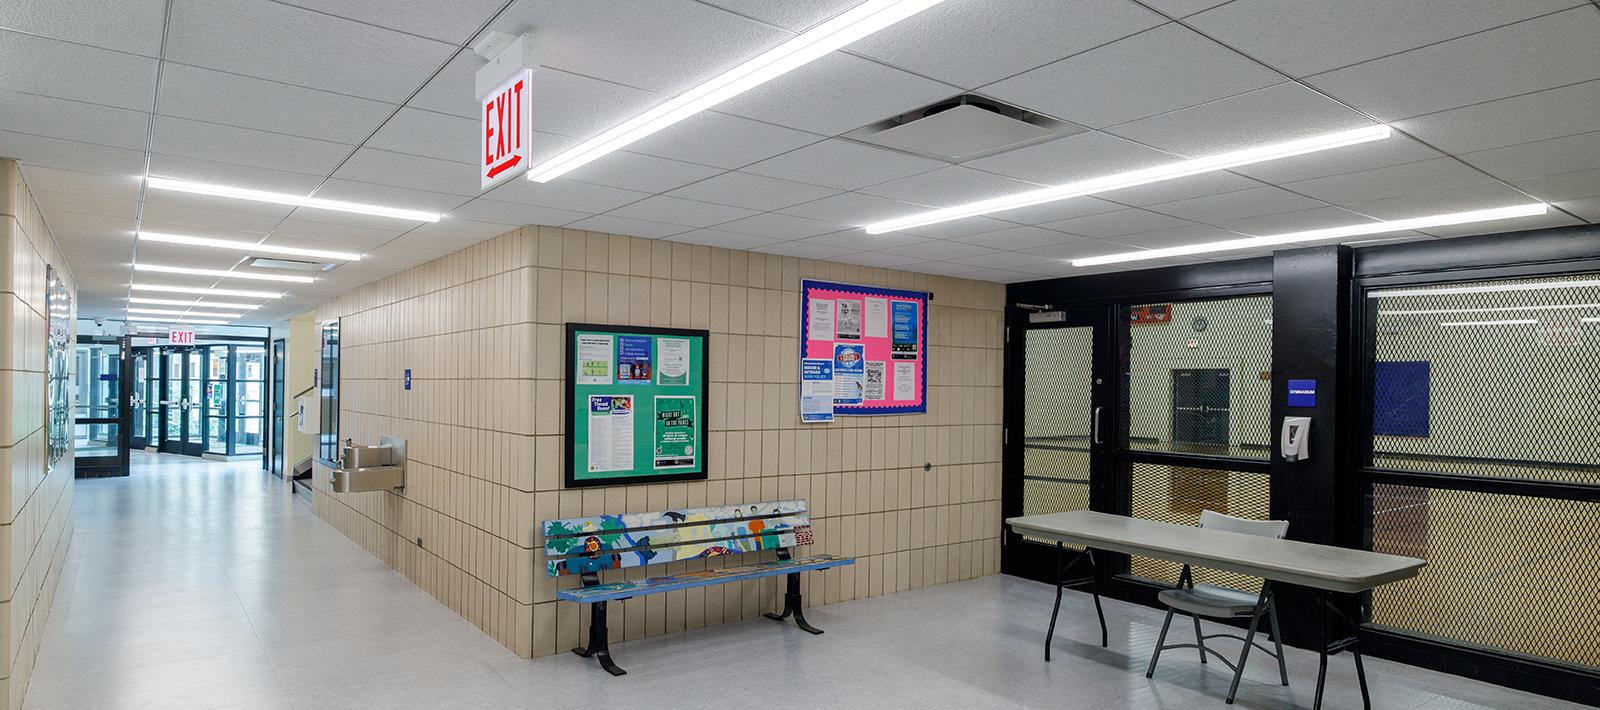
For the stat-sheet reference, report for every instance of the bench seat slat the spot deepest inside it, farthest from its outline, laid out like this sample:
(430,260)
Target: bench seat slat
(656,585)
(597,543)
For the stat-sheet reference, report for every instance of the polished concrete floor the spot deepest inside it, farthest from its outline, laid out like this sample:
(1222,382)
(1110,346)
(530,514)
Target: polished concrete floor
(194,584)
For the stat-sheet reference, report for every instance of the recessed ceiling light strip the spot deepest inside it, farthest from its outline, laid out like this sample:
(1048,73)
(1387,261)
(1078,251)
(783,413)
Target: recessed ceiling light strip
(849,26)
(281,198)
(156,268)
(1354,230)
(1145,176)
(194,304)
(183,321)
(203,291)
(166,312)
(165,238)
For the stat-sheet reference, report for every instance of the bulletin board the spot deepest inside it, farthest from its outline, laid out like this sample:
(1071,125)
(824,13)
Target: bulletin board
(635,404)
(875,344)
(1400,398)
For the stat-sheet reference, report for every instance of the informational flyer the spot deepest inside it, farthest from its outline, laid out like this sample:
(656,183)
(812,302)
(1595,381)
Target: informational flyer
(905,377)
(610,432)
(875,373)
(849,373)
(672,361)
(816,389)
(593,359)
(674,432)
(903,346)
(849,319)
(820,319)
(877,317)
(633,359)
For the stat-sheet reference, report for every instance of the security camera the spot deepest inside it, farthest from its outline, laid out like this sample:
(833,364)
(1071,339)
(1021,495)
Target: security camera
(100,321)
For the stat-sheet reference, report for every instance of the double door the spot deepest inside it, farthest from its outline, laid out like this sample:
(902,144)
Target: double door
(182,404)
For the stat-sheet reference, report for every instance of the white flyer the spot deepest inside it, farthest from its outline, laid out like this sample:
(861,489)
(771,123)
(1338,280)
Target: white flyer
(594,359)
(672,361)
(875,372)
(610,432)
(849,322)
(820,319)
(905,374)
(877,318)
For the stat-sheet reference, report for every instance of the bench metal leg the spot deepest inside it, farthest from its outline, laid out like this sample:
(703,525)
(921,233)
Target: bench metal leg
(1061,583)
(598,646)
(792,605)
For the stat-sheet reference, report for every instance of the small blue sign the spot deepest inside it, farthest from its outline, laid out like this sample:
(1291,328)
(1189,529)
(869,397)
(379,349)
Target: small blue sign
(1302,393)
(408,378)
(108,377)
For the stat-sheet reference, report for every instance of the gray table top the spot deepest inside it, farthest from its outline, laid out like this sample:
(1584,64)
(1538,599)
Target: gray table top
(1302,563)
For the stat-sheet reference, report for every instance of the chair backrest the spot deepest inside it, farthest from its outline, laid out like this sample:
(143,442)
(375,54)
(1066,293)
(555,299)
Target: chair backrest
(1264,528)
(616,541)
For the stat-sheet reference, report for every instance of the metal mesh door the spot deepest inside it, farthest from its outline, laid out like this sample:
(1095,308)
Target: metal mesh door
(1057,386)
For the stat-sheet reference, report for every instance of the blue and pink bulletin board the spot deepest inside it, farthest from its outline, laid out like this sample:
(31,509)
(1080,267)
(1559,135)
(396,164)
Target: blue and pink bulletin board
(876,340)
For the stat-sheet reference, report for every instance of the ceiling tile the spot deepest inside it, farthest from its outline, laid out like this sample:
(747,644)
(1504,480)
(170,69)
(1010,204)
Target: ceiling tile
(878,259)
(364,237)
(852,208)
(564,194)
(843,165)
(197,170)
(711,138)
(1310,37)
(298,46)
(185,217)
(1281,113)
(453,22)
(1076,157)
(73,182)
(1555,156)
(645,173)
(796,15)
(1182,8)
(432,135)
(217,97)
(207,204)
(1528,56)
(805,250)
(131,26)
(72,120)
(1394,150)
(957,228)
(1588,208)
(1182,236)
(1017,36)
(1462,199)
(950,186)
(623,41)
(458,229)
(37,65)
(1181,189)
(1081,249)
(400,170)
(718,238)
(1408,179)
(1520,119)
(54,203)
(1020,238)
(997,260)
(673,210)
(1236,205)
(837,93)
(481,210)
(244,146)
(387,195)
(1058,210)
(780,226)
(1552,219)
(854,238)
(1567,186)
(450,91)
(1152,72)
(939,250)
(1116,224)
(1303,220)
(630,227)
(752,191)
(72,155)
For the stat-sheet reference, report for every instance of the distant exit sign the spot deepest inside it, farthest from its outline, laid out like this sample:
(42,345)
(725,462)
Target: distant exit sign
(180,337)
(507,130)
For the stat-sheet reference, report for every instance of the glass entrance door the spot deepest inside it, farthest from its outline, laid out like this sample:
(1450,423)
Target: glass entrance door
(181,403)
(139,400)
(100,442)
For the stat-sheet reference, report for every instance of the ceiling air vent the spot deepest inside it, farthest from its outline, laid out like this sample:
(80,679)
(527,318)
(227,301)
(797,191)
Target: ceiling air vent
(963,128)
(265,262)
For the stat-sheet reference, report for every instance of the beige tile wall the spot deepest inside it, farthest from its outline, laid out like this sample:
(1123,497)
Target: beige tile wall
(482,332)
(35,504)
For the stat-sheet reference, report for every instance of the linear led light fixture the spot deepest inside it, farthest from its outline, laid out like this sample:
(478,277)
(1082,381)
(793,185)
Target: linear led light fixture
(201,291)
(849,26)
(194,304)
(1496,309)
(166,312)
(182,321)
(1144,176)
(1465,323)
(246,246)
(221,273)
(1484,288)
(283,198)
(1354,230)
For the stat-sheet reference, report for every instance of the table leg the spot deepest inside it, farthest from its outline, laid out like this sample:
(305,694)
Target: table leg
(1050,636)
(1322,646)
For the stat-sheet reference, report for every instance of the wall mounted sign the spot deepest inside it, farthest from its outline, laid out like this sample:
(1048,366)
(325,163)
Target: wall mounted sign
(1159,314)
(876,343)
(1302,393)
(1400,397)
(507,130)
(635,404)
(58,385)
(180,337)
(408,379)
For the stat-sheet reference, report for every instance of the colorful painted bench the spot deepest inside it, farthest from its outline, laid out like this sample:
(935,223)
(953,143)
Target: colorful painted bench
(588,546)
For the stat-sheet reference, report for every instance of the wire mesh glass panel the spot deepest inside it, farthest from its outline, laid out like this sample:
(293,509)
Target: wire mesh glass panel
(1057,372)
(1496,378)
(1510,573)
(1177,494)
(1199,376)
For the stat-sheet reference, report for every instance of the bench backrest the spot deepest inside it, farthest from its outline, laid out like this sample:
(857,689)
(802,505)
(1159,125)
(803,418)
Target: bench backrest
(602,542)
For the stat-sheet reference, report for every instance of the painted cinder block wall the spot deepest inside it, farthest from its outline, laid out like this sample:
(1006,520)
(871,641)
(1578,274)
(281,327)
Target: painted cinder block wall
(482,332)
(35,502)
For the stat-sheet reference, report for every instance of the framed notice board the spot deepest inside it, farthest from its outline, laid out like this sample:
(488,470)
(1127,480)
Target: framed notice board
(876,343)
(636,404)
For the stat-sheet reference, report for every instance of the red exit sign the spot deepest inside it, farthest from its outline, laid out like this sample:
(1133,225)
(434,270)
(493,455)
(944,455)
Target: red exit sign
(507,129)
(180,337)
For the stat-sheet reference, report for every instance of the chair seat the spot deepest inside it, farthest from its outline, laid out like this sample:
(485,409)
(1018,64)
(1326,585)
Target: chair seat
(1210,600)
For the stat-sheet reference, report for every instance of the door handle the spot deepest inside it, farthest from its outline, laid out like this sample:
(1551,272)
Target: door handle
(1096,426)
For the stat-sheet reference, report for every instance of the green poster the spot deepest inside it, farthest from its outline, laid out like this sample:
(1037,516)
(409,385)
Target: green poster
(675,432)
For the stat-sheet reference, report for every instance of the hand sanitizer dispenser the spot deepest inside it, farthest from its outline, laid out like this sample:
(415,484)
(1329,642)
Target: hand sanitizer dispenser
(1296,440)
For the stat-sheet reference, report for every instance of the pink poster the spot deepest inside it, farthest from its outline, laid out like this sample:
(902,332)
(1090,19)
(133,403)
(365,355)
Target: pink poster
(876,340)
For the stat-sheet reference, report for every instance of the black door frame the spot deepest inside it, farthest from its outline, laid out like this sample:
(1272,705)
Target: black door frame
(117,464)
(277,353)
(188,443)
